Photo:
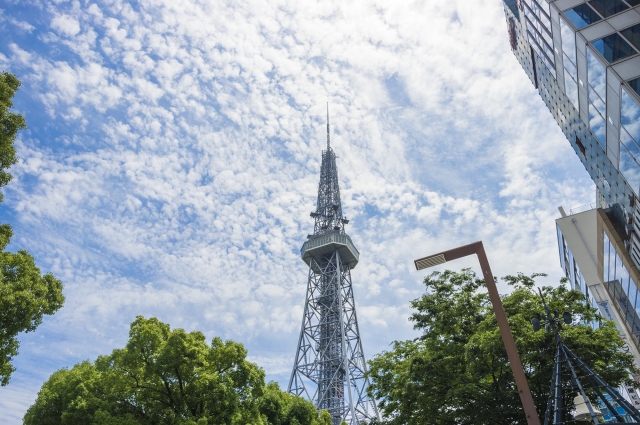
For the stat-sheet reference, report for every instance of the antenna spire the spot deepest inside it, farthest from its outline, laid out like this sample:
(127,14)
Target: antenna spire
(328,135)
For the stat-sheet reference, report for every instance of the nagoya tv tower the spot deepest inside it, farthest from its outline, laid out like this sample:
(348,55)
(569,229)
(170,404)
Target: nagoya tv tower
(329,368)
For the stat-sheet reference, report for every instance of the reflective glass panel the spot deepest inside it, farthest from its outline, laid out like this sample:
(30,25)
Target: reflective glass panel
(572,90)
(633,292)
(512,4)
(597,125)
(559,235)
(635,84)
(632,34)
(633,2)
(568,40)
(605,269)
(613,47)
(597,102)
(619,267)
(541,37)
(632,145)
(582,15)
(544,6)
(596,74)
(570,67)
(608,7)
(624,279)
(629,167)
(630,117)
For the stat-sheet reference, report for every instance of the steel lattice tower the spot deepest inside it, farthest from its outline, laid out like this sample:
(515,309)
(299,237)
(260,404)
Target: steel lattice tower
(330,368)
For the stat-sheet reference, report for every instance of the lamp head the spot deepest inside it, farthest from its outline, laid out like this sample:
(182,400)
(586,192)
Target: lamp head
(426,262)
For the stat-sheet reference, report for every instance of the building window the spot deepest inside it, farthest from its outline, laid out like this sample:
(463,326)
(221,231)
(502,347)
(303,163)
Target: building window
(538,26)
(582,15)
(621,286)
(569,62)
(571,87)
(608,7)
(632,34)
(635,84)
(560,250)
(605,262)
(583,150)
(630,119)
(513,7)
(630,163)
(613,47)
(597,91)
(568,42)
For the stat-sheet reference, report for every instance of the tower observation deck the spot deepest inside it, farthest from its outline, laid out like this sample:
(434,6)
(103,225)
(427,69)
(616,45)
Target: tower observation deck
(329,366)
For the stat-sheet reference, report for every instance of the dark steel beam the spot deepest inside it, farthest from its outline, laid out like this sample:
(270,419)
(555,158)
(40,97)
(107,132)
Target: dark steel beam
(509,344)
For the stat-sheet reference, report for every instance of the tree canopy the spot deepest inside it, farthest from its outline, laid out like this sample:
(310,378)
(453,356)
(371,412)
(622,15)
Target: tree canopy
(165,376)
(10,124)
(457,371)
(25,294)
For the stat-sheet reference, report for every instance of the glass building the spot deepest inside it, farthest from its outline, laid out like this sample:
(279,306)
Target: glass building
(596,262)
(583,57)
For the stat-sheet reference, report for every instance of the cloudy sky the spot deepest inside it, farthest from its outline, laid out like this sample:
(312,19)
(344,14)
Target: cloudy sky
(173,155)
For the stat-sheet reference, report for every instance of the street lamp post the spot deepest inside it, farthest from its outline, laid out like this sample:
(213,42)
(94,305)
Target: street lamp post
(512,352)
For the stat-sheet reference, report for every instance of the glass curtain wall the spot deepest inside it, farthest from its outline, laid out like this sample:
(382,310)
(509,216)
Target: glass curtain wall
(572,271)
(621,287)
(597,80)
(613,48)
(632,34)
(538,20)
(582,15)
(635,85)
(569,62)
(608,8)
(630,140)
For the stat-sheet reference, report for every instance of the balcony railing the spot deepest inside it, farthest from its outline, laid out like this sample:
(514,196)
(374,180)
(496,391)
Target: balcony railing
(582,208)
(328,239)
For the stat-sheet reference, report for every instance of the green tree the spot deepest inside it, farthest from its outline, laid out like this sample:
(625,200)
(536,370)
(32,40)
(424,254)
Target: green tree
(166,376)
(25,294)
(325,418)
(10,124)
(457,372)
(282,408)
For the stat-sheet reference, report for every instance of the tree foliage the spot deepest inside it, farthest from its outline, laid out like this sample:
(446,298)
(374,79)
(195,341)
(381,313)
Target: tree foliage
(25,294)
(10,124)
(457,372)
(166,376)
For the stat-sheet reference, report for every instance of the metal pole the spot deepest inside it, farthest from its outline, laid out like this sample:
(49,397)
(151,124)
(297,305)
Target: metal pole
(557,411)
(509,344)
(594,419)
(590,374)
(477,248)
(547,414)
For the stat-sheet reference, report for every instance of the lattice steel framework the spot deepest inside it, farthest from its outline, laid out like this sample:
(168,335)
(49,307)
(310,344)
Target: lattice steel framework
(330,367)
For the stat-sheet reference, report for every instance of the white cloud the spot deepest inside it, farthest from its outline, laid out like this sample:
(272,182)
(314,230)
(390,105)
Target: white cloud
(65,25)
(177,168)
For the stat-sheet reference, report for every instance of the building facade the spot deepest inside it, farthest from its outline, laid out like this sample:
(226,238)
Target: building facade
(596,262)
(583,57)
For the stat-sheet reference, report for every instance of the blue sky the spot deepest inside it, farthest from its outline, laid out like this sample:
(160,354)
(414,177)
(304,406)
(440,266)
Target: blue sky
(173,153)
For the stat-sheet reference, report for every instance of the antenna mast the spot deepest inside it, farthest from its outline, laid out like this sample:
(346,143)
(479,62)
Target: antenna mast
(328,134)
